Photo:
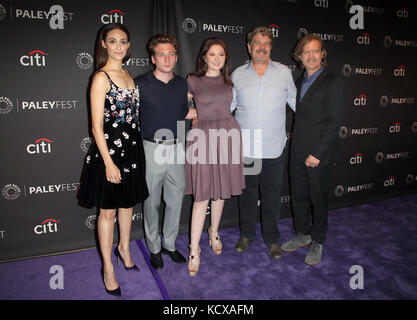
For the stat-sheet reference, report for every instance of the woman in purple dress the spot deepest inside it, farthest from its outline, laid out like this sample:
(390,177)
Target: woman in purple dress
(214,163)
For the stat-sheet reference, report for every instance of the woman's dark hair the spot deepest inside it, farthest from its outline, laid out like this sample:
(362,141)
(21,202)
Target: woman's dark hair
(101,52)
(202,64)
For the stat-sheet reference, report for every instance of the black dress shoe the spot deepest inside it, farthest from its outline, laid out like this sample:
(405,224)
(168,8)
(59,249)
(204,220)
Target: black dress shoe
(156,260)
(175,255)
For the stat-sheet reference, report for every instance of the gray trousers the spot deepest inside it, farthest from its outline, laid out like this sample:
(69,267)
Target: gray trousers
(165,175)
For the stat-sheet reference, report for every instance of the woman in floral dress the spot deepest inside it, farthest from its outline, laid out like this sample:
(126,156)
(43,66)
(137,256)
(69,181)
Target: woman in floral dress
(114,171)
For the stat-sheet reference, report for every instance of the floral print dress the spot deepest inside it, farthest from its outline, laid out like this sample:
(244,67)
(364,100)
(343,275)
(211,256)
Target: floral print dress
(124,141)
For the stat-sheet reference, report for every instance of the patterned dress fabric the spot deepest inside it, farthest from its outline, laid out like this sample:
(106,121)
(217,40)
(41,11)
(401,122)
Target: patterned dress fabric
(124,141)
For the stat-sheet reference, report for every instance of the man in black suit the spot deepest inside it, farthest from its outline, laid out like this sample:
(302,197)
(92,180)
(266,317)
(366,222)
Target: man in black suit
(319,108)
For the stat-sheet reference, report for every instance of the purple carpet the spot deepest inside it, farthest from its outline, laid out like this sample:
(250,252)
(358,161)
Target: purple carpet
(380,238)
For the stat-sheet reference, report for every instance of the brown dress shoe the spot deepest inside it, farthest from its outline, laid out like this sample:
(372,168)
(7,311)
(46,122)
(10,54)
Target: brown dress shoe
(275,251)
(242,244)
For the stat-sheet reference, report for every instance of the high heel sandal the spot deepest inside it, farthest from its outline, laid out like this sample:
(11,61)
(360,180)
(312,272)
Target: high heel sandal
(119,256)
(214,241)
(194,261)
(115,292)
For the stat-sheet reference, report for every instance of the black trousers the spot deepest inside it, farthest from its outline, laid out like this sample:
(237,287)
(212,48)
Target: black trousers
(265,186)
(309,197)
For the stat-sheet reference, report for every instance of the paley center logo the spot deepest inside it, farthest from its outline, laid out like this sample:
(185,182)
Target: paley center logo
(40,146)
(342,190)
(389,42)
(189,25)
(385,100)
(35,58)
(22,104)
(380,156)
(84,60)
(113,16)
(47,226)
(348,70)
(344,132)
(6,105)
(11,191)
(85,144)
(56,16)
(324,36)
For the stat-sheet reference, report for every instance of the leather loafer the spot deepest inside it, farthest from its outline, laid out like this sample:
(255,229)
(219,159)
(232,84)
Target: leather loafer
(174,255)
(156,260)
(275,251)
(242,244)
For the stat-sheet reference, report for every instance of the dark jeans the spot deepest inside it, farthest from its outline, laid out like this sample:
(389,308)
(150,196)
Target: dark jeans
(267,187)
(309,194)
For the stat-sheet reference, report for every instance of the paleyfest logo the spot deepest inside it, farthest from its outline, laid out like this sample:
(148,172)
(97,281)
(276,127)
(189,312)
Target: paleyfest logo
(56,16)
(189,25)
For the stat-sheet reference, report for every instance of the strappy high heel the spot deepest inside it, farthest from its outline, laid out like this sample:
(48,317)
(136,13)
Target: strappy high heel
(194,261)
(214,241)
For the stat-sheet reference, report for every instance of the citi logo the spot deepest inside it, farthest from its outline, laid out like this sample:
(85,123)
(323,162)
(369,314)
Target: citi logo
(36,58)
(40,146)
(360,101)
(114,16)
(364,39)
(274,29)
(321,3)
(402,13)
(400,71)
(389,182)
(48,226)
(395,128)
(356,159)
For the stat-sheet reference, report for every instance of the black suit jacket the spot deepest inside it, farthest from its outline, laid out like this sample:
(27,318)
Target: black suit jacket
(318,117)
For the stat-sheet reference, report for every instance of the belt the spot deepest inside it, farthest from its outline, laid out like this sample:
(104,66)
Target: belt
(174,141)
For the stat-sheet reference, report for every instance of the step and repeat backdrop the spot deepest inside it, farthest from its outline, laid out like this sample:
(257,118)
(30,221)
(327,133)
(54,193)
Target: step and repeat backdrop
(46,64)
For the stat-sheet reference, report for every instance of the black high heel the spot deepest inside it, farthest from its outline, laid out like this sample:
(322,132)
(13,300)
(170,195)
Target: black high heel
(116,292)
(119,256)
